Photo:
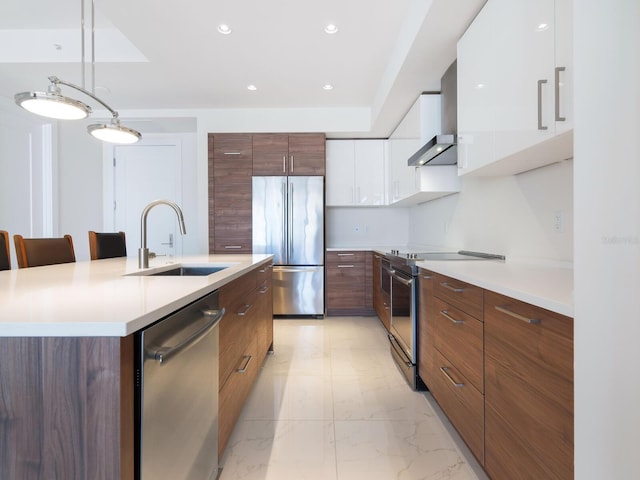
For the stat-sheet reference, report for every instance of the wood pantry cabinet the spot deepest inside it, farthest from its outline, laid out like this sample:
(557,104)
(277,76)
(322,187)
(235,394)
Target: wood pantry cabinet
(230,169)
(528,391)
(381,300)
(277,154)
(246,335)
(349,283)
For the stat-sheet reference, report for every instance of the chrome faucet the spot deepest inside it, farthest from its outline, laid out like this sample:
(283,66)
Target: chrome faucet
(143,251)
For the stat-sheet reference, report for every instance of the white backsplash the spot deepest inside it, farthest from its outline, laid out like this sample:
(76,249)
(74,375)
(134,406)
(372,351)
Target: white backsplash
(367,227)
(528,216)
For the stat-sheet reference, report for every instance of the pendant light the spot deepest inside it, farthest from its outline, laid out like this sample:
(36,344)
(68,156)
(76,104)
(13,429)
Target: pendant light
(53,104)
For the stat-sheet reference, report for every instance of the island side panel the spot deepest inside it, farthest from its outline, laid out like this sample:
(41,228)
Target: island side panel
(66,407)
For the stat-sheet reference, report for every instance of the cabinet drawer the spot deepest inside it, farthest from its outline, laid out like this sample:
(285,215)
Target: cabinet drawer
(464,296)
(346,258)
(345,286)
(529,390)
(234,393)
(459,337)
(462,403)
(264,273)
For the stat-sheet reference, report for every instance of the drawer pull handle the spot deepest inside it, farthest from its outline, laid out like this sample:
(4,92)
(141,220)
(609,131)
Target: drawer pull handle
(506,311)
(346,254)
(264,289)
(446,315)
(453,289)
(247,307)
(446,374)
(231,153)
(346,266)
(246,365)
(427,277)
(232,247)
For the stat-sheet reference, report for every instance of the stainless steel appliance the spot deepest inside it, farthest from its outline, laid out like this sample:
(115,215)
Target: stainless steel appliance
(177,394)
(402,272)
(288,222)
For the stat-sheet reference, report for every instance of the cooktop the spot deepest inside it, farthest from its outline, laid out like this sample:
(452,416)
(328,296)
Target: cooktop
(412,257)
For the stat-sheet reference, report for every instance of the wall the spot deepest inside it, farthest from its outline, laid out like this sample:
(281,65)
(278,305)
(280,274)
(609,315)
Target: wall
(607,246)
(367,227)
(512,216)
(79,185)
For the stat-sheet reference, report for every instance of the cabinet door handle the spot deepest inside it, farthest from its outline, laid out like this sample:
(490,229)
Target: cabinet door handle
(558,117)
(246,365)
(540,126)
(446,315)
(453,289)
(444,370)
(284,164)
(506,311)
(247,307)
(291,164)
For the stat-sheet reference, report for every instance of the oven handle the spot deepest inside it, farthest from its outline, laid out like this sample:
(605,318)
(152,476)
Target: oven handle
(387,269)
(401,279)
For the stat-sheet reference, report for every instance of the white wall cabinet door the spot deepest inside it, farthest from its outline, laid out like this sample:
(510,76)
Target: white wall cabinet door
(369,172)
(514,87)
(340,173)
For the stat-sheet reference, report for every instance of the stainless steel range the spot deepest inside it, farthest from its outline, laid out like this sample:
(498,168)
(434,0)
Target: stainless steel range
(401,270)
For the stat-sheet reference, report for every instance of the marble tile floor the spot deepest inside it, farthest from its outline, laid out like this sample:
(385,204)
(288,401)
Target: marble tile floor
(329,404)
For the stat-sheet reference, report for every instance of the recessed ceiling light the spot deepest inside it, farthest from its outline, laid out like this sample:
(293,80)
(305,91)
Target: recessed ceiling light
(331,29)
(253,88)
(542,26)
(327,86)
(224,29)
(480,85)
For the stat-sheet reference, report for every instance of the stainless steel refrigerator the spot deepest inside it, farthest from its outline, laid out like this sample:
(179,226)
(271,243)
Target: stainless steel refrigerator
(288,221)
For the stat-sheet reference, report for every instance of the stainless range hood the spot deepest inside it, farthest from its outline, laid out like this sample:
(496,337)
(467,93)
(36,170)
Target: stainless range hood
(441,149)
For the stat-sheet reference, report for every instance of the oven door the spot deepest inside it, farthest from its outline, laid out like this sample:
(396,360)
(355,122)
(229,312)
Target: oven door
(402,312)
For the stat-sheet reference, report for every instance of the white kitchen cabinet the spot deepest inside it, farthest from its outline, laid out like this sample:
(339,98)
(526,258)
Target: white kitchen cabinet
(514,87)
(411,185)
(355,173)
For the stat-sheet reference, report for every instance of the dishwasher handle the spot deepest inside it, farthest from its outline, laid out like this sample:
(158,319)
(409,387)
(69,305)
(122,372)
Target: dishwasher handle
(164,354)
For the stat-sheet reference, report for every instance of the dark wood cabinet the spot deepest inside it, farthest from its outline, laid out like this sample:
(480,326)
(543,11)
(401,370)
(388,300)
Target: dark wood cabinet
(528,391)
(456,375)
(381,301)
(230,171)
(348,283)
(426,327)
(246,334)
(288,154)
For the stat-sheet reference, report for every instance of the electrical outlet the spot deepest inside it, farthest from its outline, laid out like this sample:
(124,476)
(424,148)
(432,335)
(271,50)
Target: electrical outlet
(558,221)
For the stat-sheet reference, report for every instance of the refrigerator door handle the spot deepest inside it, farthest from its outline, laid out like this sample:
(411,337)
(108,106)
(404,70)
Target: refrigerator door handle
(290,236)
(285,237)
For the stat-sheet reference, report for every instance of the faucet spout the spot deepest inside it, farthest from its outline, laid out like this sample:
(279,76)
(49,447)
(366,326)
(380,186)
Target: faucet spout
(143,251)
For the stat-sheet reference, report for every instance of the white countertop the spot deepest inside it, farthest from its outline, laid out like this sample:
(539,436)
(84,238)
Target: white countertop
(104,297)
(547,286)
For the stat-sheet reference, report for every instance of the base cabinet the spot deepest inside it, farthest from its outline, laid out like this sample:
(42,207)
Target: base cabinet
(502,372)
(349,283)
(246,334)
(529,391)
(381,300)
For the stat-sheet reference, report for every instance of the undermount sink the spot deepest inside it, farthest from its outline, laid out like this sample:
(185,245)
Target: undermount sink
(189,271)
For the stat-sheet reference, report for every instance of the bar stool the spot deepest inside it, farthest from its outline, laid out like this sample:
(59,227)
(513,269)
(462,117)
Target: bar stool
(107,245)
(5,256)
(36,252)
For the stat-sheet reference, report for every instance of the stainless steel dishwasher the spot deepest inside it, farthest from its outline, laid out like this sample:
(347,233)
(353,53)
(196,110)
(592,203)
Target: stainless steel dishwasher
(177,394)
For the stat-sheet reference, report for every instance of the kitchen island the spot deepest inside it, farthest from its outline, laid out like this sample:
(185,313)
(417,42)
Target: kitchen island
(67,357)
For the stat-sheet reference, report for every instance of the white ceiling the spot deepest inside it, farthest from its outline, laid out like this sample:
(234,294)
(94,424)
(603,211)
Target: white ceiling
(162,54)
